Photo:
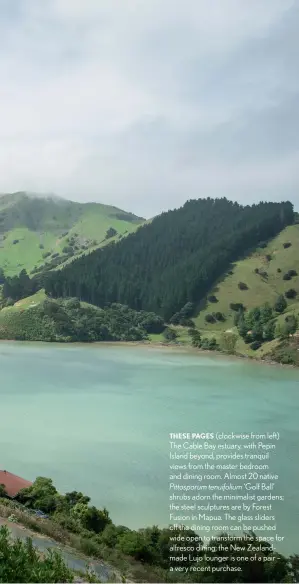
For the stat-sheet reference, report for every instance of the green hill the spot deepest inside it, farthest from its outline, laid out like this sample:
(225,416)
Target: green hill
(37,230)
(208,269)
(272,262)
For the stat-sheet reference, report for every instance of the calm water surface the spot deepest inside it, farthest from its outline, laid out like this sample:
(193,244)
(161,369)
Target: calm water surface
(97,419)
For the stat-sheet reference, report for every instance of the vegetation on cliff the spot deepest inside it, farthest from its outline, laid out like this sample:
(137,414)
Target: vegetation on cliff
(149,554)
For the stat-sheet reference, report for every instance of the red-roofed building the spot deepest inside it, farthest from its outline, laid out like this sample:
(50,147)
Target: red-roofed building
(12,483)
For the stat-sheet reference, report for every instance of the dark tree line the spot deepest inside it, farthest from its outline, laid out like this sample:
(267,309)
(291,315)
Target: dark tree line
(17,287)
(173,260)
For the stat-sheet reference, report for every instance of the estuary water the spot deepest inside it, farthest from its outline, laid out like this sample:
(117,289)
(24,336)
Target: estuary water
(97,419)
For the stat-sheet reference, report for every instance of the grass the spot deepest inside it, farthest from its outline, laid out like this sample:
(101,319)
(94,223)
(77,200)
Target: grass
(42,226)
(260,290)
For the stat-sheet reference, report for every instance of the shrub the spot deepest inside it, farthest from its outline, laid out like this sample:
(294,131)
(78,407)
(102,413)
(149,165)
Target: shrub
(67,249)
(209,318)
(187,310)
(278,270)
(292,273)
(195,337)
(264,274)
(228,342)
(219,316)
(287,244)
(22,562)
(242,286)
(46,254)
(268,257)
(209,344)
(256,270)
(280,304)
(287,276)
(255,345)
(111,232)
(212,298)
(15,241)
(262,244)
(170,334)
(291,293)
(41,246)
(236,306)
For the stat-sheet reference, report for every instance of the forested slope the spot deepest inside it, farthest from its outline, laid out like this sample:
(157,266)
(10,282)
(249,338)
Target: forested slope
(173,260)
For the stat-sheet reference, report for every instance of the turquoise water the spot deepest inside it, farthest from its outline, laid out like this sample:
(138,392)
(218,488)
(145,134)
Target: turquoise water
(97,419)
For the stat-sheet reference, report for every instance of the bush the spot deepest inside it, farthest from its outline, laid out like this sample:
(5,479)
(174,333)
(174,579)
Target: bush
(242,286)
(278,270)
(291,293)
(292,273)
(195,337)
(170,334)
(264,274)
(46,254)
(219,316)
(22,562)
(287,244)
(256,270)
(212,298)
(280,304)
(15,241)
(236,306)
(262,244)
(287,276)
(209,344)
(228,342)
(41,246)
(268,258)
(111,232)
(255,345)
(209,318)
(67,249)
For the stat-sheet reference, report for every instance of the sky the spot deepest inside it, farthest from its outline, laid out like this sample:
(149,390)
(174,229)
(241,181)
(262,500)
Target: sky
(144,104)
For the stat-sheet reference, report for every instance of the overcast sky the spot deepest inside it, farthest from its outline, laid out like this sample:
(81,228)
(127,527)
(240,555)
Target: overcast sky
(144,104)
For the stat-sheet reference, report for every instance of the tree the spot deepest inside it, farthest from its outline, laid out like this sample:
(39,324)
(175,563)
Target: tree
(187,310)
(3,492)
(269,331)
(91,518)
(136,545)
(280,304)
(266,313)
(287,328)
(291,293)
(228,342)
(170,334)
(111,232)
(174,259)
(75,497)
(21,562)
(41,495)
(195,337)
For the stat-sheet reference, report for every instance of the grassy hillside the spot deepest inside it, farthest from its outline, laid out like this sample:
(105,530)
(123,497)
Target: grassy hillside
(262,287)
(35,230)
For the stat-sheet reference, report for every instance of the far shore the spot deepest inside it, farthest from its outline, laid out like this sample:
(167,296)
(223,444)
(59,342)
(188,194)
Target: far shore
(173,347)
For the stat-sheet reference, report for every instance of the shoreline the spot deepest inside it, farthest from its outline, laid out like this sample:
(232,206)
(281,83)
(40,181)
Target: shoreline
(175,347)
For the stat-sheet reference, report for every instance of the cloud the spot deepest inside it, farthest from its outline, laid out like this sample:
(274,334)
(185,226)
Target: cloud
(147,104)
